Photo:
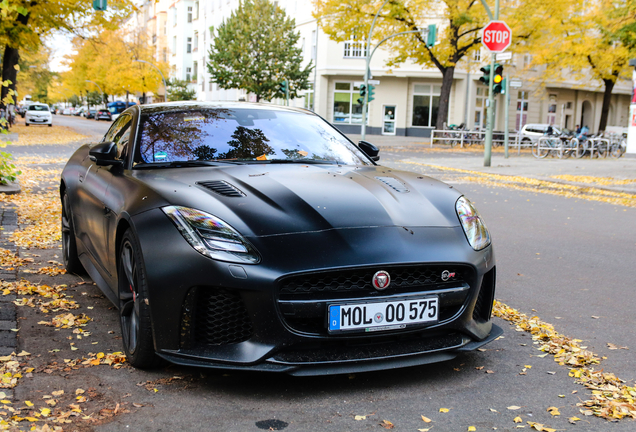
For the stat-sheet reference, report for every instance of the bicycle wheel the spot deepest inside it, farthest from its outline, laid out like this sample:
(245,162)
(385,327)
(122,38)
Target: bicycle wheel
(541,149)
(602,149)
(581,148)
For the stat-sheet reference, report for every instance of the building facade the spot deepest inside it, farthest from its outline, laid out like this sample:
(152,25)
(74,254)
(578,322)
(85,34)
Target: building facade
(407,97)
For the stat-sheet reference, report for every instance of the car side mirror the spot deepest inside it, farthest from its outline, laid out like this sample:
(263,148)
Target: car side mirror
(369,150)
(104,154)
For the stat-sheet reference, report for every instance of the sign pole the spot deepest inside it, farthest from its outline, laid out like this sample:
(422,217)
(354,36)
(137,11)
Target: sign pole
(491,102)
(507,115)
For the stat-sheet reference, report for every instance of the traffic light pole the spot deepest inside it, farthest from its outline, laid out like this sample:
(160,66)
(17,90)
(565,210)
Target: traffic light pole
(507,114)
(491,99)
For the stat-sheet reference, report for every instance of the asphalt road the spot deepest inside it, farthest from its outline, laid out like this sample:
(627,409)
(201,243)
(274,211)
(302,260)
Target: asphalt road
(562,259)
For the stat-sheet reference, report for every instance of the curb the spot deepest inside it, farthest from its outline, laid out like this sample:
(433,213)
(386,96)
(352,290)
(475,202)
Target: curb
(8,321)
(10,188)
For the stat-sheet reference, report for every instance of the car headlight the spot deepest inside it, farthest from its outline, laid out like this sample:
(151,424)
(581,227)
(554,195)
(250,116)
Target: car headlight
(474,227)
(210,236)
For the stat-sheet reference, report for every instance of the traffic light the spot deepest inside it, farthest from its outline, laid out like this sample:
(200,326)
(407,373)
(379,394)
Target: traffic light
(486,75)
(99,5)
(371,93)
(363,91)
(431,36)
(499,86)
(282,87)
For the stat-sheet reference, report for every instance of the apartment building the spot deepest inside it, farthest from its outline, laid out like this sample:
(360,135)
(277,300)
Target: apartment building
(407,98)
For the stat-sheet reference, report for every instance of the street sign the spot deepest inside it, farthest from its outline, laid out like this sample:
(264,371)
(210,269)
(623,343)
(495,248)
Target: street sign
(503,56)
(372,82)
(516,83)
(496,36)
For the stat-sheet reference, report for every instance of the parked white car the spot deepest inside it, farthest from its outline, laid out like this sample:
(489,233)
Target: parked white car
(38,113)
(531,132)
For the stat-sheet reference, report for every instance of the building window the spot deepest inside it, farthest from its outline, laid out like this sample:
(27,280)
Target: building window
(174,16)
(165,54)
(189,46)
(196,41)
(313,45)
(309,98)
(355,49)
(189,14)
(210,86)
(188,74)
(346,109)
(480,106)
(477,55)
(196,10)
(174,45)
(425,104)
(195,67)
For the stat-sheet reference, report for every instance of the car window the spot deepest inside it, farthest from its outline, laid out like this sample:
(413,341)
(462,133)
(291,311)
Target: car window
(242,134)
(38,108)
(115,129)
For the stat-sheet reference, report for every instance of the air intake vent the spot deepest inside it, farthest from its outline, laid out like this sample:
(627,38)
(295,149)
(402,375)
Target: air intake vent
(222,188)
(394,184)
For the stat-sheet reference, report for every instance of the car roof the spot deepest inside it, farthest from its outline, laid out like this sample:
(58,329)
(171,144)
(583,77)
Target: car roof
(174,106)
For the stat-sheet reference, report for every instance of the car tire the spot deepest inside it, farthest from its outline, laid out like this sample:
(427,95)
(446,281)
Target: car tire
(134,310)
(26,124)
(51,125)
(69,242)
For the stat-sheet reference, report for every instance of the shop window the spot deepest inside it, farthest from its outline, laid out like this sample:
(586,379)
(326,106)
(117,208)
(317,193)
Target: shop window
(346,109)
(425,104)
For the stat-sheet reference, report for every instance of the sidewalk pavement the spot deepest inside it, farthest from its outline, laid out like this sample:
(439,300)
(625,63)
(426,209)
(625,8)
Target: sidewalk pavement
(524,165)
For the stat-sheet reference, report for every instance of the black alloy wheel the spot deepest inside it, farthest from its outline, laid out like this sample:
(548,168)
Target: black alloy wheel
(69,245)
(134,309)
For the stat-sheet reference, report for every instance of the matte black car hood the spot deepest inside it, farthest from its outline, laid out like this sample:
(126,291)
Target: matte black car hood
(274,199)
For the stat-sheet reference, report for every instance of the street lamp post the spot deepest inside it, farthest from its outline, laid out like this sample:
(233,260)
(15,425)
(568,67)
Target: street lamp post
(165,88)
(100,89)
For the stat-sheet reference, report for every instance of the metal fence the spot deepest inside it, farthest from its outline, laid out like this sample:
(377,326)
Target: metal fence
(466,138)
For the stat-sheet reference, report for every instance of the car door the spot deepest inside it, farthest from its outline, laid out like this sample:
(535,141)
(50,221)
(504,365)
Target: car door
(95,182)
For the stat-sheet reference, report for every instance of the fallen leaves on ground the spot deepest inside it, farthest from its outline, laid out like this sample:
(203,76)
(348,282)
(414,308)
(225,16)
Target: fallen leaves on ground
(541,186)
(35,135)
(12,368)
(611,398)
(600,181)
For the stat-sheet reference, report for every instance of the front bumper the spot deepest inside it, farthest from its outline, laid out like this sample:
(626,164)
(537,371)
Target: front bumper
(214,314)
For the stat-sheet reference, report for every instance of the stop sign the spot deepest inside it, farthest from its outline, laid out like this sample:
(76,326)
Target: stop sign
(496,36)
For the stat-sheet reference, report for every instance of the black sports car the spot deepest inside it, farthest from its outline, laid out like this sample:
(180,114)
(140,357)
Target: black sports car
(249,236)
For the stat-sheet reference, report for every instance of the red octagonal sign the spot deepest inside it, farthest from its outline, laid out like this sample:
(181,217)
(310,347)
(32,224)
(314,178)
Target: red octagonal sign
(496,36)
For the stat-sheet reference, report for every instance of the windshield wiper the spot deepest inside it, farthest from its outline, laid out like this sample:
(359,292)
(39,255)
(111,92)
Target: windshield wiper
(184,164)
(298,161)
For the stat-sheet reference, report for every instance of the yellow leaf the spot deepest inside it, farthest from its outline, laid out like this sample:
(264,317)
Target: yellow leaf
(359,417)
(444,410)
(426,419)
(517,420)
(28,403)
(58,393)
(471,429)
(514,407)
(45,412)
(424,430)
(79,391)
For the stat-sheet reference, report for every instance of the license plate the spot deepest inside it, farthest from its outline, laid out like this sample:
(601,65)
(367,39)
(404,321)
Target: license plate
(382,315)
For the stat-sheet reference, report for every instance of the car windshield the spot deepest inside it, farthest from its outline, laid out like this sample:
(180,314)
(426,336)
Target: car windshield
(38,108)
(243,135)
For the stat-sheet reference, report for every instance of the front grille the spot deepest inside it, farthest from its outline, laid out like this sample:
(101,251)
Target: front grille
(301,296)
(336,352)
(214,316)
(403,279)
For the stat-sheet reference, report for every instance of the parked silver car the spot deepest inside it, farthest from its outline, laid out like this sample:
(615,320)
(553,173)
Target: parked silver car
(531,132)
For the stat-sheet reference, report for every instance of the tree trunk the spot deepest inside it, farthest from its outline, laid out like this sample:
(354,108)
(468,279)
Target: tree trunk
(9,60)
(607,96)
(447,84)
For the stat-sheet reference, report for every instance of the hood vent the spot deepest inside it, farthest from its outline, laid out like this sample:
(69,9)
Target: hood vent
(222,188)
(394,184)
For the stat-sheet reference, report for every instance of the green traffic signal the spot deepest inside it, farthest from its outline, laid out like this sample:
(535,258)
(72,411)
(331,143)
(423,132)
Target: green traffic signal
(371,93)
(99,5)
(282,87)
(485,78)
(363,90)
